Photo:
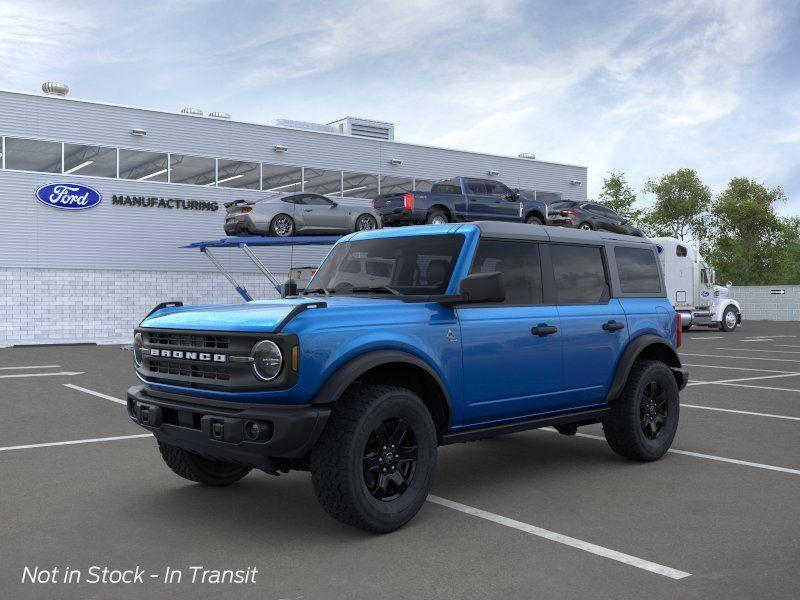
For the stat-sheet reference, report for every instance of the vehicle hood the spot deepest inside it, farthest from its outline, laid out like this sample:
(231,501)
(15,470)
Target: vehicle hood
(261,316)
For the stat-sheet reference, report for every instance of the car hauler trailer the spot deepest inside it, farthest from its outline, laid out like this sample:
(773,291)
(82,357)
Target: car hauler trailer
(692,289)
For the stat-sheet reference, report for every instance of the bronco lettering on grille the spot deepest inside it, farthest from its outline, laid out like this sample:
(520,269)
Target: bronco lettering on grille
(203,356)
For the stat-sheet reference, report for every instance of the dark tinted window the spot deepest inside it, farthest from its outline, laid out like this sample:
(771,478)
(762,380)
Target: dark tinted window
(638,271)
(562,204)
(293,200)
(495,188)
(580,277)
(681,250)
(422,265)
(519,264)
(476,186)
(317,200)
(446,187)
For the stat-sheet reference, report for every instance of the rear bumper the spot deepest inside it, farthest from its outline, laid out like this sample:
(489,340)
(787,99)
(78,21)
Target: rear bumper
(225,433)
(400,217)
(560,222)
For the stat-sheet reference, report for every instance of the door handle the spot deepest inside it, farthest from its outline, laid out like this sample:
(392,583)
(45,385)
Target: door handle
(613,326)
(544,329)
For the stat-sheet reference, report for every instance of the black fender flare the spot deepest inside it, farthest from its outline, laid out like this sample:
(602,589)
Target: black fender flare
(536,212)
(346,374)
(633,351)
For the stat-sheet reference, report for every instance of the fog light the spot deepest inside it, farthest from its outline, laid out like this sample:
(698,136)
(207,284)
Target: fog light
(252,430)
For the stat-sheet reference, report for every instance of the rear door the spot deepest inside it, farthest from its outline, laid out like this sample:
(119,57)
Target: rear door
(510,370)
(593,325)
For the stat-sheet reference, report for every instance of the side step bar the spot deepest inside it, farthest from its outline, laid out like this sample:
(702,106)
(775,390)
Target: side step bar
(587,416)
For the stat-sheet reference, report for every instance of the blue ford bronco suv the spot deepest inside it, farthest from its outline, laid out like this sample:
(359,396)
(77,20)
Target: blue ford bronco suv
(407,339)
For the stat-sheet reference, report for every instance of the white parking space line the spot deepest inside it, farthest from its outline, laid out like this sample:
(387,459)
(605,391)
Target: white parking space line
(791,360)
(787,346)
(713,337)
(15,375)
(737,368)
(734,461)
(741,412)
(756,350)
(31,367)
(741,379)
(93,393)
(561,539)
(73,442)
(758,340)
(759,387)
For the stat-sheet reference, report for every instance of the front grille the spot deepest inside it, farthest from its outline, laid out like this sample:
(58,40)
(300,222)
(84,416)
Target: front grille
(188,340)
(187,369)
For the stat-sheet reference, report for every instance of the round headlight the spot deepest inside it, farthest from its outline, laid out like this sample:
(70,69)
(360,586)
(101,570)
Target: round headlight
(267,360)
(138,342)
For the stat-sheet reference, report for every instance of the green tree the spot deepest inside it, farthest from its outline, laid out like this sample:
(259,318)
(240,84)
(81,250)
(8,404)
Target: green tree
(681,206)
(751,244)
(618,195)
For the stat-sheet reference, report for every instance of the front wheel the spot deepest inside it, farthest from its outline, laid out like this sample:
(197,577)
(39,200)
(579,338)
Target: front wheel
(729,320)
(533,220)
(200,469)
(374,462)
(643,421)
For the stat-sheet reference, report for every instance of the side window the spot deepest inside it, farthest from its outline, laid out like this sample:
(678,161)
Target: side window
(317,200)
(579,274)
(293,200)
(638,271)
(446,188)
(495,188)
(519,264)
(477,187)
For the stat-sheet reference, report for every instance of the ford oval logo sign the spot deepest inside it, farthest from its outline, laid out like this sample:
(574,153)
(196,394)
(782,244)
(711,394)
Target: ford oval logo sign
(68,196)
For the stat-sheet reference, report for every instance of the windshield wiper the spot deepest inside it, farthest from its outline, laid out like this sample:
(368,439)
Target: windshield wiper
(378,289)
(324,291)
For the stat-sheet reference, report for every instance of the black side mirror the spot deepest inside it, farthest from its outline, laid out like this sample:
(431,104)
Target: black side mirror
(289,288)
(334,204)
(483,287)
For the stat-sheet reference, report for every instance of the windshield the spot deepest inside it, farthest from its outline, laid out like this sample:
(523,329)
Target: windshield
(419,265)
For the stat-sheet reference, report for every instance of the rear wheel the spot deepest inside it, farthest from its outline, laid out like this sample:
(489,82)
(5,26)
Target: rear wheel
(374,463)
(643,420)
(203,470)
(281,226)
(729,320)
(533,220)
(366,222)
(437,217)
(586,226)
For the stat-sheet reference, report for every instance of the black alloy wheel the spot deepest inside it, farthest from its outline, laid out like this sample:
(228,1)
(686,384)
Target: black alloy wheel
(390,459)
(366,223)
(653,410)
(282,226)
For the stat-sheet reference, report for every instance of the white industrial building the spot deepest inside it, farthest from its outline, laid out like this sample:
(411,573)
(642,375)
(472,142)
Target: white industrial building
(70,276)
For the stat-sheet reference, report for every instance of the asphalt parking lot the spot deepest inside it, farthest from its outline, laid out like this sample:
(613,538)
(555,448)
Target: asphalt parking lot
(533,514)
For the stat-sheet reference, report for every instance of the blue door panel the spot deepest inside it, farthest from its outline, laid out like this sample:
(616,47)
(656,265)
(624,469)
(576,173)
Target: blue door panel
(591,353)
(508,371)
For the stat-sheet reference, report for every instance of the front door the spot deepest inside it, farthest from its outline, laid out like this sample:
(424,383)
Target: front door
(320,214)
(512,350)
(593,325)
(506,205)
(480,204)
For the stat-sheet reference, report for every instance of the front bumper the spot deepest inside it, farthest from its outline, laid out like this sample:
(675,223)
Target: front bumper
(222,432)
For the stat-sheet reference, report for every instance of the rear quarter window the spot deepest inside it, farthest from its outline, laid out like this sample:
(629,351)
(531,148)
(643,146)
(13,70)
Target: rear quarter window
(638,271)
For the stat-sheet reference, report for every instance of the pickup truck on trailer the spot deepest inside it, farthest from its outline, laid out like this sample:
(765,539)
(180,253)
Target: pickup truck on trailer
(460,199)
(407,339)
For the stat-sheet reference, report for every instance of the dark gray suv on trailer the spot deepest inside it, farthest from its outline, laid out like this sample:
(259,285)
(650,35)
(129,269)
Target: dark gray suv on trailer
(589,216)
(287,214)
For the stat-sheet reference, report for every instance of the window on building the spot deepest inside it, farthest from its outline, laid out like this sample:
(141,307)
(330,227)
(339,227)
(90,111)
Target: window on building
(360,185)
(396,185)
(98,161)
(33,155)
(423,185)
(280,178)
(681,250)
(143,166)
(579,274)
(237,174)
(194,170)
(519,264)
(320,181)
(638,271)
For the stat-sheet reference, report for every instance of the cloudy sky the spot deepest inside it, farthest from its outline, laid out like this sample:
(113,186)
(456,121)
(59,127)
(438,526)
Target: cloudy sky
(641,87)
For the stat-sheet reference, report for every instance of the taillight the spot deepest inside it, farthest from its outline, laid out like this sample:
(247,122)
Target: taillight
(680,329)
(569,212)
(246,209)
(372,203)
(408,201)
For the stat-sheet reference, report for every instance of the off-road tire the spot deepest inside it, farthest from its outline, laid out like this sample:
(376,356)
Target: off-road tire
(623,425)
(273,232)
(533,220)
(437,214)
(203,470)
(723,325)
(337,459)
